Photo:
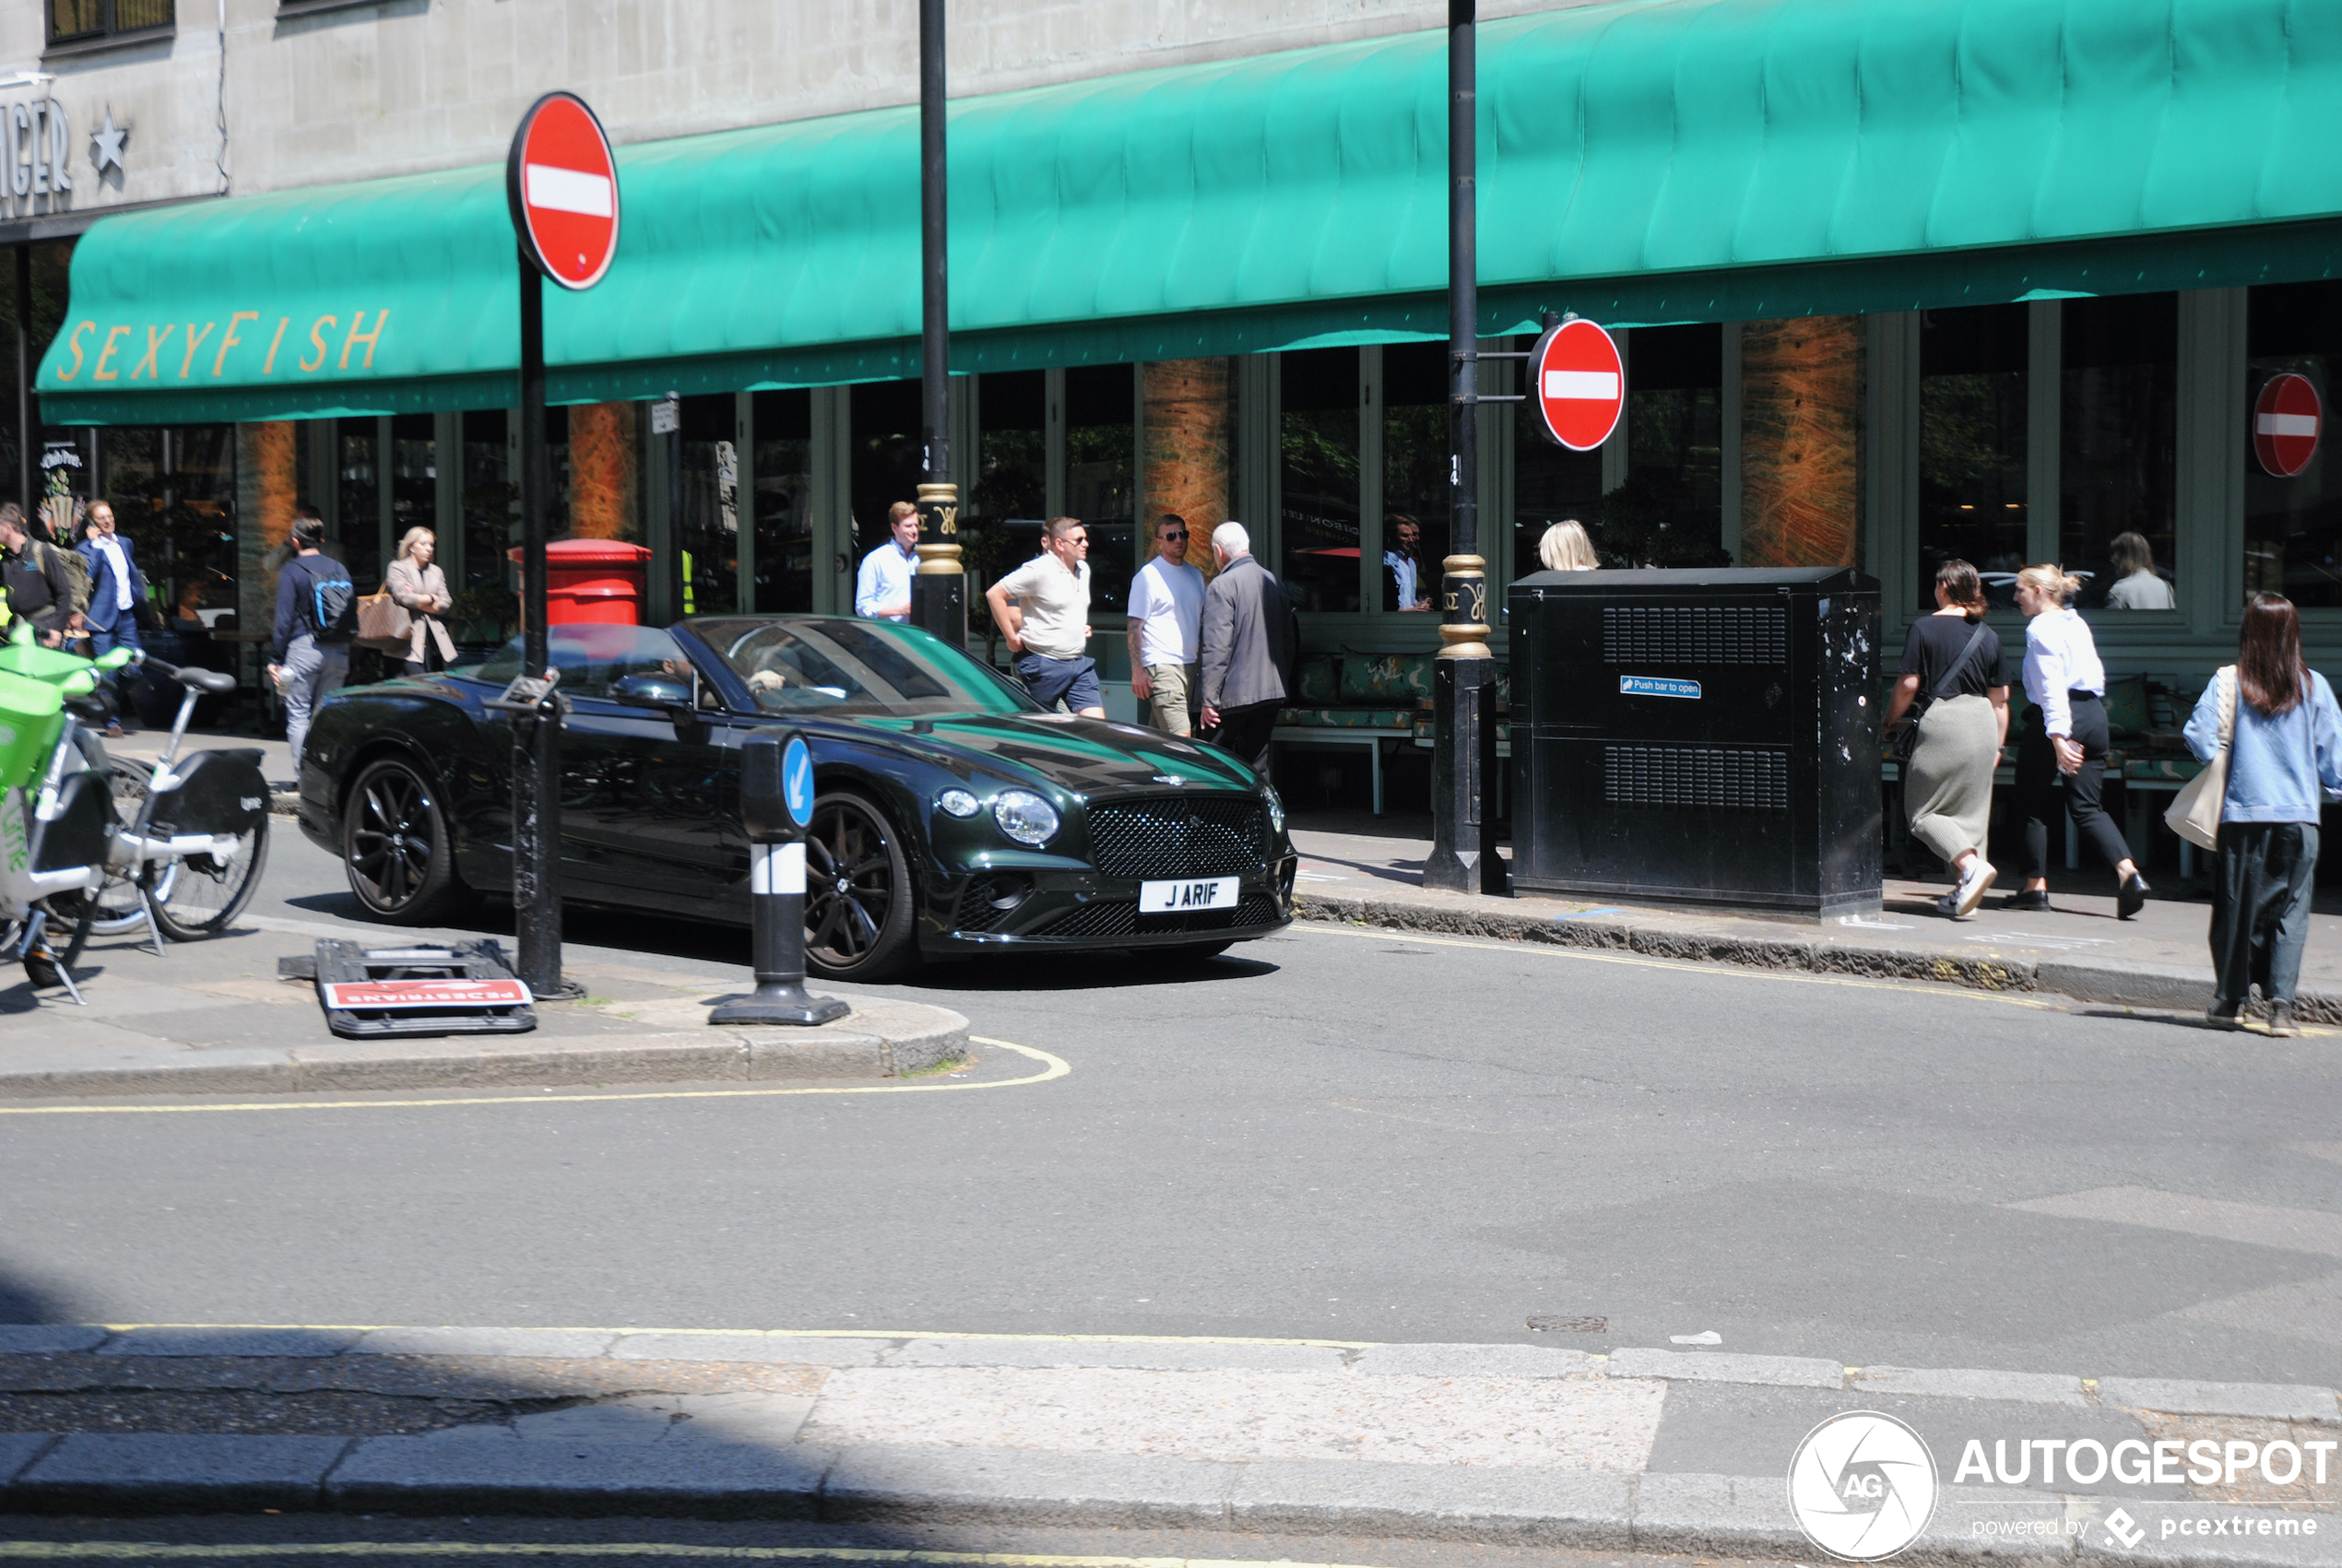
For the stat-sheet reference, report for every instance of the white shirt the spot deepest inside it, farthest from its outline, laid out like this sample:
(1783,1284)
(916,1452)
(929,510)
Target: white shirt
(1054,604)
(111,547)
(1167,602)
(2060,656)
(885,579)
(1404,570)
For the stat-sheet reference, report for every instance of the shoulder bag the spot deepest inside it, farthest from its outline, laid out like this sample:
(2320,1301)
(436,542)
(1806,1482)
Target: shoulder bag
(1907,739)
(2194,812)
(383,624)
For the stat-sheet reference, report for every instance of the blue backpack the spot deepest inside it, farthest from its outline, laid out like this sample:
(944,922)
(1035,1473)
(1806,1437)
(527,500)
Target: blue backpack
(333,608)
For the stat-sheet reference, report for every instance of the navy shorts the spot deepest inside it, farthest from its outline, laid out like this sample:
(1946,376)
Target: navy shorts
(1075,680)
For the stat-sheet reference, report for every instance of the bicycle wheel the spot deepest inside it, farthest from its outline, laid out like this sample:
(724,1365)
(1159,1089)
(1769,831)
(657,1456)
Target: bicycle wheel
(113,907)
(198,896)
(49,954)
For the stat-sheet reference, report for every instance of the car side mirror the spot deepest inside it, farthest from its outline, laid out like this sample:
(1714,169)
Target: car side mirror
(663,692)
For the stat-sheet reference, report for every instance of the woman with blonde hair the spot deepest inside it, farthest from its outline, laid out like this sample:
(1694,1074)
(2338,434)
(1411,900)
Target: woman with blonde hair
(419,587)
(1565,547)
(1955,661)
(2068,736)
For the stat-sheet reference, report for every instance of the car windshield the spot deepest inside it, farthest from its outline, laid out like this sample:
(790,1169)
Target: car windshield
(590,657)
(855,666)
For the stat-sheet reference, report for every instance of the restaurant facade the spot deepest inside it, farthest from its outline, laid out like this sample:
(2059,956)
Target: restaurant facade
(1991,279)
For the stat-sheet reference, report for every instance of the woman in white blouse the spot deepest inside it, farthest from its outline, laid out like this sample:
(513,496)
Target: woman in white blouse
(2068,736)
(419,588)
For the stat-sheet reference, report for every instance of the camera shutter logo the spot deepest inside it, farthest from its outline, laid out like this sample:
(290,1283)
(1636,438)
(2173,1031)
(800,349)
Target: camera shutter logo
(1862,1486)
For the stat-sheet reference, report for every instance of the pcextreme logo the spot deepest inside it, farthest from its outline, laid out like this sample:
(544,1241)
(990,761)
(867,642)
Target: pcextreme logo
(1862,1486)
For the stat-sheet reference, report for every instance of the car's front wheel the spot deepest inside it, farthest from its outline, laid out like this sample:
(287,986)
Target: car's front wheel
(858,892)
(396,845)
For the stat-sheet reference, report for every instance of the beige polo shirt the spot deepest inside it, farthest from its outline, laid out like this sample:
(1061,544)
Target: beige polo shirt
(1054,604)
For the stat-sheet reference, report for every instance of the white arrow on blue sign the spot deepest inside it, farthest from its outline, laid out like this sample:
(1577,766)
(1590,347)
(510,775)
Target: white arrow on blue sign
(797,781)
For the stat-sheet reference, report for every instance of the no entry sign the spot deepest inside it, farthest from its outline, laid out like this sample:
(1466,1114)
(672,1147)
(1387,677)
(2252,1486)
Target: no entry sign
(562,184)
(2287,421)
(1579,385)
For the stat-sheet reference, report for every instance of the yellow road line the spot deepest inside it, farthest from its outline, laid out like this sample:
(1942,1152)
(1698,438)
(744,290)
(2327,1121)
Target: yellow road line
(141,1552)
(1055,1066)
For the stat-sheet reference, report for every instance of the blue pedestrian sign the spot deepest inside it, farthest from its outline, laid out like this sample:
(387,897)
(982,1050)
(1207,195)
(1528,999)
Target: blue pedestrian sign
(797,781)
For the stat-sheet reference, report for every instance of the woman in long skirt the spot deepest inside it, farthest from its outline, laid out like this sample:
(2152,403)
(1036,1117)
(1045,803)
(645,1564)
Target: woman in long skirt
(1955,661)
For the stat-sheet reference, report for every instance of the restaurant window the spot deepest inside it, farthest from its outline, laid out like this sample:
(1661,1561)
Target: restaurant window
(492,497)
(1101,474)
(884,429)
(2292,526)
(357,493)
(174,491)
(708,531)
(1670,511)
(1550,484)
(2119,436)
(999,524)
(1972,381)
(1318,471)
(783,505)
(71,21)
(1416,512)
(414,474)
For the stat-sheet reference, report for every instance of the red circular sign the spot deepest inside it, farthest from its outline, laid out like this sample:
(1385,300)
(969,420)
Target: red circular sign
(2287,421)
(562,184)
(1579,387)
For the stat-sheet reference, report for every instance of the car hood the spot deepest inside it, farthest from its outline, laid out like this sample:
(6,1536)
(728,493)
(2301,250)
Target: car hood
(1085,756)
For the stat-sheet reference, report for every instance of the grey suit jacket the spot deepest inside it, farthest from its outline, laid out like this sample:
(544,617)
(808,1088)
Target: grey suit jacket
(1244,636)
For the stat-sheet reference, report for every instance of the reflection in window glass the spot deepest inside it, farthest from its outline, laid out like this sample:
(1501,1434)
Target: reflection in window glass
(1972,383)
(491,500)
(884,429)
(709,528)
(1101,475)
(414,474)
(174,489)
(1011,474)
(857,667)
(1550,484)
(2119,429)
(591,658)
(1670,511)
(2293,528)
(1318,437)
(357,499)
(783,503)
(1415,512)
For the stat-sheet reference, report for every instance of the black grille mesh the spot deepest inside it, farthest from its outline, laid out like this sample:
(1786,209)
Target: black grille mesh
(1180,836)
(1120,917)
(976,911)
(1710,777)
(1695,634)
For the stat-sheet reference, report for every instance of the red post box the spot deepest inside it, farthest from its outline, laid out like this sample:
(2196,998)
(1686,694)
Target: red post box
(592,582)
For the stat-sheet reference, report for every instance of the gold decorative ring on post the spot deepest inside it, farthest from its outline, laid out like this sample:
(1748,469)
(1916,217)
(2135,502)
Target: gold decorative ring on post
(1463,604)
(940,530)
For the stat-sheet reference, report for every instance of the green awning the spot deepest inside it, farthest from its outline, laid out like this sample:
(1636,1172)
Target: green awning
(1643,162)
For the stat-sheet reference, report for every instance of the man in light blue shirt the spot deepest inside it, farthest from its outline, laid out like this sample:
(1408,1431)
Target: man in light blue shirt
(882,588)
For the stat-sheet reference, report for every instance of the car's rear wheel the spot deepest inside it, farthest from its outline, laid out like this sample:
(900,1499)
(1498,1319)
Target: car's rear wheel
(858,892)
(396,846)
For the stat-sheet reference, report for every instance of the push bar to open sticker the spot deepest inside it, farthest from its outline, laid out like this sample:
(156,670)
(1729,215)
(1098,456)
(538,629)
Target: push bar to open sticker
(1656,686)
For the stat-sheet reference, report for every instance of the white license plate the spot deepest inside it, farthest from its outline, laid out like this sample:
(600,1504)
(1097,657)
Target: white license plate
(1177,898)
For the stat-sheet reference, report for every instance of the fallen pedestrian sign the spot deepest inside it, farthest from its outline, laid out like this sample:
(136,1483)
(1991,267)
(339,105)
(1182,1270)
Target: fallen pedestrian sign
(465,987)
(371,993)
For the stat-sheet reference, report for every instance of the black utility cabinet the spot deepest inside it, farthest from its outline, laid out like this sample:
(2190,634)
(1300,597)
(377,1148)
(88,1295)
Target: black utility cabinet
(1703,737)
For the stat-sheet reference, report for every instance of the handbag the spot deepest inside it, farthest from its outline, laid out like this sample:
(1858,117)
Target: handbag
(1907,739)
(383,624)
(2194,812)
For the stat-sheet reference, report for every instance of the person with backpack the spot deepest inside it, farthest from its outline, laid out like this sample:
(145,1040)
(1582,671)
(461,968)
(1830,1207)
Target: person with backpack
(39,583)
(317,617)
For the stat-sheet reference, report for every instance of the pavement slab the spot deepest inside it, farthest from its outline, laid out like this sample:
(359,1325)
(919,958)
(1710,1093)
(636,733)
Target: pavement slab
(778,1348)
(100,1471)
(1534,1507)
(434,1474)
(975,1485)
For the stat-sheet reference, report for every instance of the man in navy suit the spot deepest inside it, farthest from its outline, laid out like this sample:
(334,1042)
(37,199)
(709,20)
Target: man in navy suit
(116,586)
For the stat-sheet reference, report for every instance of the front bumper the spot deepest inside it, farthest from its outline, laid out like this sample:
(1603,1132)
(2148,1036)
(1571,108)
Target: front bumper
(1076,910)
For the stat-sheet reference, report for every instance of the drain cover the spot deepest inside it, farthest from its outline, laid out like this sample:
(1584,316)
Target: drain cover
(1570,1324)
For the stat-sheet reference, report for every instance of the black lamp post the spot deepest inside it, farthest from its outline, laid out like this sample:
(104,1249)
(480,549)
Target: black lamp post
(938,592)
(1463,758)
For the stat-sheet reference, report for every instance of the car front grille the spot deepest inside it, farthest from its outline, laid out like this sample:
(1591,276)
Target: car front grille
(1179,835)
(1120,917)
(976,911)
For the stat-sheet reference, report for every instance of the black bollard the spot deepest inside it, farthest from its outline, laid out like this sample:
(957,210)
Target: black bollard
(777,802)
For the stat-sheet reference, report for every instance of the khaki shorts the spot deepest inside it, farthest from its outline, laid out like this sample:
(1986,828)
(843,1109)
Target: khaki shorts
(1171,705)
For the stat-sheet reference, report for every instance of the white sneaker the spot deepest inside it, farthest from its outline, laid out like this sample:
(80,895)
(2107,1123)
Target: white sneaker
(1972,886)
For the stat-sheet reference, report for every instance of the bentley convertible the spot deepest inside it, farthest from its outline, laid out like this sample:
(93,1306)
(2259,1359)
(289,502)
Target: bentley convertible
(952,816)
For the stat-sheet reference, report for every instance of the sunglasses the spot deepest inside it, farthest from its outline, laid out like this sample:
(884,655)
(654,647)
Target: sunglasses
(1174,533)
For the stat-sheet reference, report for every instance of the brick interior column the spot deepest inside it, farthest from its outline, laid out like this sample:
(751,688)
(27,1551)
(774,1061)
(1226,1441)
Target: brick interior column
(267,483)
(1800,469)
(1191,433)
(605,468)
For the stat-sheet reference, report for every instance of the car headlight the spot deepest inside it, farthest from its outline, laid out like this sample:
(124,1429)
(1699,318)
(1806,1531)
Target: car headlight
(959,803)
(1276,807)
(1025,817)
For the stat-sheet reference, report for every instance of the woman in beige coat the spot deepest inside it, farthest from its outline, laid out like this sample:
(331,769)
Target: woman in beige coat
(421,589)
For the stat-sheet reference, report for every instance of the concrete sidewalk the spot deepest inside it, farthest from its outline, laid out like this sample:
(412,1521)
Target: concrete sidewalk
(1370,870)
(1639,1448)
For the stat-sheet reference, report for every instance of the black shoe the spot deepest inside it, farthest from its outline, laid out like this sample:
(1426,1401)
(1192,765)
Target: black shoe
(2131,896)
(2224,1014)
(2032,898)
(2281,1023)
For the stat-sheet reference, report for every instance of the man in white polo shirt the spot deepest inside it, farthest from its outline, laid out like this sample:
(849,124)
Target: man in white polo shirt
(1166,606)
(1048,629)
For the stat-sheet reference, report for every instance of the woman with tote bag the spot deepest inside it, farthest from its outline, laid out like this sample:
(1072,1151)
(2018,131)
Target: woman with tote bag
(1955,670)
(2275,719)
(419,588)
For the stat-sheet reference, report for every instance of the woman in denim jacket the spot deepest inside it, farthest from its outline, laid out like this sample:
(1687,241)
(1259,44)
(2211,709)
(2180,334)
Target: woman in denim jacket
(2285,762)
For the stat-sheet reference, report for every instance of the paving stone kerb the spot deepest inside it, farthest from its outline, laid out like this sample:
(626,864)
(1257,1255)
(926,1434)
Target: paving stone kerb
(1808,951)
(879,1039)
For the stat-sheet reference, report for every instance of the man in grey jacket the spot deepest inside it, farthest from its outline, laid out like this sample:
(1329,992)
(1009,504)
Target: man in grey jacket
(1247,648)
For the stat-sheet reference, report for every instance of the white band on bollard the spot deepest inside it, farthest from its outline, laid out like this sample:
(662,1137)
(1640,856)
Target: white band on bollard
(777,868)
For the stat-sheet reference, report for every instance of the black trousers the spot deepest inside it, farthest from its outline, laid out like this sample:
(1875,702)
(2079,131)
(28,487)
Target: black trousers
(1245,731)
(2261,907)
(2037,788)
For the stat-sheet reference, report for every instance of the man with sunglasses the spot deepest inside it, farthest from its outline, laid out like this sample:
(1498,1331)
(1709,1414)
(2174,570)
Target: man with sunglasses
(1167,608)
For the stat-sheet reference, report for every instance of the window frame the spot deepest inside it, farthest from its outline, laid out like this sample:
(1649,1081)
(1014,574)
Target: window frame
(108,32)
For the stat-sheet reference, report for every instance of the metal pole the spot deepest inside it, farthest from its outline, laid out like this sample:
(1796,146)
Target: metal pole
(536,742)
(25,432)
(1463,854)
(675,512)
(939,593)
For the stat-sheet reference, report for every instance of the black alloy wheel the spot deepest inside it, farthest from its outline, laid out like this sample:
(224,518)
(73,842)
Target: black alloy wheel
(858,892)
(395,845)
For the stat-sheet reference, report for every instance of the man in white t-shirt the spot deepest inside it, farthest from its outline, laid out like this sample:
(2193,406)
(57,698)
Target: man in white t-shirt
(1167,608)
(1048,627)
